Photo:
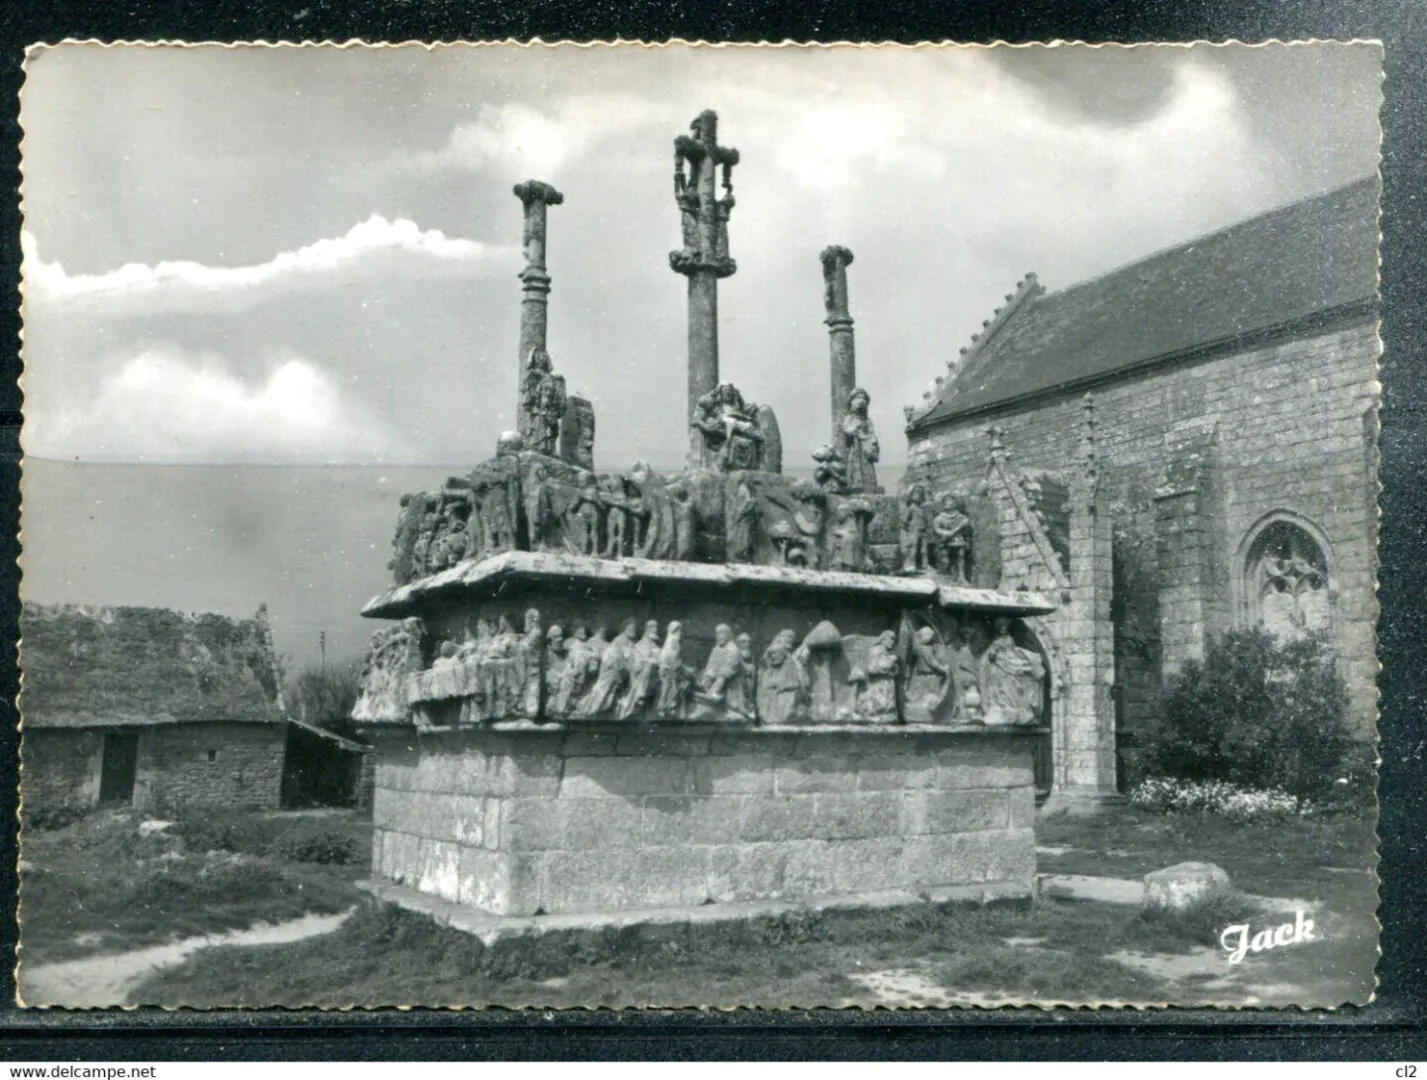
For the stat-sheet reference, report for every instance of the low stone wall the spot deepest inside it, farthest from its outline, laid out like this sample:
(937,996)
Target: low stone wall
(540,820)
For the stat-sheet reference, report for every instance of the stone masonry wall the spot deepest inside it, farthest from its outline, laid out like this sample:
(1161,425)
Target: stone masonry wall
(210,764)
(60,767)
(1291,422)
(566,821)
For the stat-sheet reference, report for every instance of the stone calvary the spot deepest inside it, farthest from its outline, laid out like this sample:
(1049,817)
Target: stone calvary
(625,690)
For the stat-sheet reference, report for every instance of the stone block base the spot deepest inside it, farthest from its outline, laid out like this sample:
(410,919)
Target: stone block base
(546,820)
(669,923)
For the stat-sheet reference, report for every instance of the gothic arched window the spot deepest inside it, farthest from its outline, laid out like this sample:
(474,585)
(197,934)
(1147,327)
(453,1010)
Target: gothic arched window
(1286,581)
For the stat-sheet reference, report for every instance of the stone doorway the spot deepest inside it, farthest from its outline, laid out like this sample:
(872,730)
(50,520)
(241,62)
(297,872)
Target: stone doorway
(118,768)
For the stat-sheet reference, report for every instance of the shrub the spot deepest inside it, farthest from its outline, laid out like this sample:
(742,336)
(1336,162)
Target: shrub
(330,847)
(51,818)
(221,829)
(1257,714)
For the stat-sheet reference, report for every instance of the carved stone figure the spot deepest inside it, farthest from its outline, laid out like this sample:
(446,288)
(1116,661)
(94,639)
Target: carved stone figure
(553,665)
(966,682)
(1012,680)
(928,678)
(414,509)
(643,673)
(446,657)
(830,694)
(616,515)
(875,680)
(501,672)
(912,529)
(528,666)
(577,433)
(809,517)
(394,655)
(542,404)
(747,677)
(857,443)
(848,539)
(580,660)
(782,682)
(638,508)
(951,533)
(721,682)
(727,424)
(770,448)
(541,522)
(498,533)
(742,528)
(451,542)
(829,472)
(421,550)
(615,658)
(473,647)
(582,518)
(684,520)
(674,681)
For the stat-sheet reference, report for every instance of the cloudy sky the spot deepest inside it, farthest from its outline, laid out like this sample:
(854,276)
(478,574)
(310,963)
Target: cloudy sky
(302,257)
(308,255)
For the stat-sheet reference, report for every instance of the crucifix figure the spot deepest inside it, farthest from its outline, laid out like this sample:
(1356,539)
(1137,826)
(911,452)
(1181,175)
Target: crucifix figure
(704,257)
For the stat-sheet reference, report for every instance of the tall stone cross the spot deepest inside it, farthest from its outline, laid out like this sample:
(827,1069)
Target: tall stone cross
(704,257)
(843,353)
(536,195)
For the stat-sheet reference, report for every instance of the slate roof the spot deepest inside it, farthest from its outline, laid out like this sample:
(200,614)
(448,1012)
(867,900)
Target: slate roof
(100,667)
(1288,265)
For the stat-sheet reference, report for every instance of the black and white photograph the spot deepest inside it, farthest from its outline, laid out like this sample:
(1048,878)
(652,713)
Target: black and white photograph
(634,526)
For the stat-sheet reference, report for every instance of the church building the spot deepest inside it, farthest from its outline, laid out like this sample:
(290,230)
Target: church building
(1220,400)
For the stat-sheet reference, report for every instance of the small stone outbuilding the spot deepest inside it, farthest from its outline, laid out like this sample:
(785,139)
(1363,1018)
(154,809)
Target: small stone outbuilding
(156,709)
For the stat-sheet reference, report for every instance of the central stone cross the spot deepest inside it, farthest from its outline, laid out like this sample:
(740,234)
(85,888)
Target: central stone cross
(704,257)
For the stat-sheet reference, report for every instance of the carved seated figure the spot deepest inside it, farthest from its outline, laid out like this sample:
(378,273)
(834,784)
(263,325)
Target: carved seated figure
(727,424)
(1012,681)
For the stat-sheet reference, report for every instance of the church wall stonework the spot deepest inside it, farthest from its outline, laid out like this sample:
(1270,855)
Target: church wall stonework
(1290,435)
(610,819)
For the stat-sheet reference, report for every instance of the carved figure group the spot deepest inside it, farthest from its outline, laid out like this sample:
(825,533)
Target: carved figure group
(730,435)
(931,672)
(934,535)
(494,671)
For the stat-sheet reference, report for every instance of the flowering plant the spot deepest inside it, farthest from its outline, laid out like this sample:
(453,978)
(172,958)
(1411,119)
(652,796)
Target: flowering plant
(1166,795)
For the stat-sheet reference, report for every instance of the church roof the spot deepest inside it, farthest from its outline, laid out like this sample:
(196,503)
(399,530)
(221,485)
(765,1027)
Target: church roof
(103,666)
(1299,264)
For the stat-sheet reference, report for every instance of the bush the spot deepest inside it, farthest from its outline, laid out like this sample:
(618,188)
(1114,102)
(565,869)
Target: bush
(1257,714)
(330,848)
(221,829)
(1169,796)
(51,818)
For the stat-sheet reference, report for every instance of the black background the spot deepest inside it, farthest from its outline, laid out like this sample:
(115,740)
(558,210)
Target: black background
(1389,1029)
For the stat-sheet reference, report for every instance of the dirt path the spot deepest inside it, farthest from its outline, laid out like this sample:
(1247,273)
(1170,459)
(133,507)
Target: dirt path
(105,981)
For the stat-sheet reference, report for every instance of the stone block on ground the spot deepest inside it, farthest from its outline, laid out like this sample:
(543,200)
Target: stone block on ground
(1178,887)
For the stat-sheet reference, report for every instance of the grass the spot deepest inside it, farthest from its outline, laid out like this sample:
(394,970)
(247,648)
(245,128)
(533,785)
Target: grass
(1281,857)
(98,886)
(1048,950)
(384,955)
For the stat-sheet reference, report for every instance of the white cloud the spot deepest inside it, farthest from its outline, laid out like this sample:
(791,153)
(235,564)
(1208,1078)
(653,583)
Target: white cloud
(178,285)
(518,139)
(163,405)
